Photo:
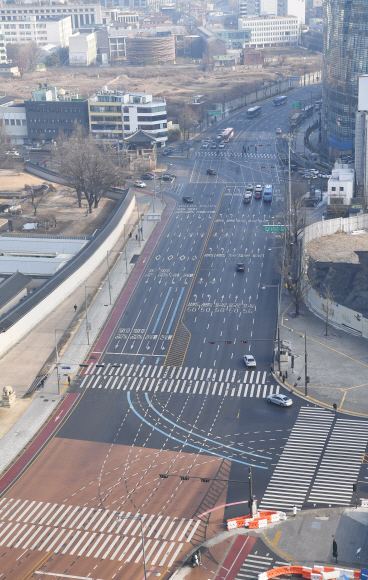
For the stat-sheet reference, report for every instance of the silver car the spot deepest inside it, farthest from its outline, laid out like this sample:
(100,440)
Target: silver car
(249,360)
(281,400)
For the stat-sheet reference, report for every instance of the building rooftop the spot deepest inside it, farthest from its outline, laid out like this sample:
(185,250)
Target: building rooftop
(49,247)
(12,286)
(140,137)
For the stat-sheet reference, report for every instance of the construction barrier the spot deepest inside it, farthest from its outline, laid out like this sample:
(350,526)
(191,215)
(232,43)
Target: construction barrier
(260,520)
(316,573)
(364,503)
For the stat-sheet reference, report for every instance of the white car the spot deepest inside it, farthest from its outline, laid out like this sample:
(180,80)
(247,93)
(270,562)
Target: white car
(281,400)
(139,183)
(249,360)
(278,131)
(222,146)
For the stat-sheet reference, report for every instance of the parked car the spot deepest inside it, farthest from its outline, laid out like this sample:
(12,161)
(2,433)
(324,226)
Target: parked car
(187,199)
(147,176)
(154,175)
(170,174)
(168,152)
(211,171)
(249,360)
(281,400)
(139,183)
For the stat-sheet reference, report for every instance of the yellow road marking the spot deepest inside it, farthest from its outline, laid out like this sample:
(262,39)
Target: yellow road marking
(39,564)
(277,537)
(365,458)
(288,558)
(342,400)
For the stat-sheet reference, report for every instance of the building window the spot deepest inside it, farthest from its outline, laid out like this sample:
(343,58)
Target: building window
(333,188)
(126,127)
(341,189)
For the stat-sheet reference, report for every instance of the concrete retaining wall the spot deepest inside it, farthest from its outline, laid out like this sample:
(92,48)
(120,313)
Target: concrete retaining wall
(56,297)
(340,315)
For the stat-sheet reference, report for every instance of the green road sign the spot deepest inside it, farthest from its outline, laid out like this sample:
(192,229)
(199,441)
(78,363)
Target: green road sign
(217,112)
(297,105)
(273,229)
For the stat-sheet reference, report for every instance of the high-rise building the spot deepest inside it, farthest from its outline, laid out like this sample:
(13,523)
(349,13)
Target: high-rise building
(345,59)
(292,8)
(249,8)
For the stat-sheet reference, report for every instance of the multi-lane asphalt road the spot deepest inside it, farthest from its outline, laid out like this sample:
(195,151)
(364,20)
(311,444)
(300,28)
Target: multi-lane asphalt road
(163,400)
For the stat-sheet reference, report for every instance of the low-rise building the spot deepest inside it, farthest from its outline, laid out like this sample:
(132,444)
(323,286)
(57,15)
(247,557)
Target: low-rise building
(341,185)
(15,121)
(269,31)
(55,30)
(82,49)
(9,70)
(52,110)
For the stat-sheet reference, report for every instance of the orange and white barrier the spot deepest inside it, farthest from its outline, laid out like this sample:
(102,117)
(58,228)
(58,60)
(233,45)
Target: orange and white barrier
(260,520)
(316,573)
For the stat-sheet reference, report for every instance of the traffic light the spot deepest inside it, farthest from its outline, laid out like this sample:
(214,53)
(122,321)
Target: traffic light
(308,379)
(163,475)
(228,342)
(205,480)
(212,342)
(244,341)
(184,477)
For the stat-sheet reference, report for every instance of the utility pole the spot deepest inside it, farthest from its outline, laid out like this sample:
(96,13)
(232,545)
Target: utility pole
(305,364)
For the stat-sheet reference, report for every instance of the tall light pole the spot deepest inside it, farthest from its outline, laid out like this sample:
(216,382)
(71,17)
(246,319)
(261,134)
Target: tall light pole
(86,306)
(108,268)
(289,138)
(57,356)
(125,248)
(278,286)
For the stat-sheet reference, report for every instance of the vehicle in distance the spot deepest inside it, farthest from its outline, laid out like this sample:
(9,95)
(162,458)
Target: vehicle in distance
(247,197)
(170,174)
(214,146)
(205,145)
(240,267)
(278,131)
(187,199)
(15,153)
(147,176)
(250,187)
(218,138)
(167,177)
(253,112)
(249,360)
(211,171)
(140,183)
(267,192)
(324,175)
(281,400)
(168,152)
(222,146)
(280,100)
(227,134)
(258,191)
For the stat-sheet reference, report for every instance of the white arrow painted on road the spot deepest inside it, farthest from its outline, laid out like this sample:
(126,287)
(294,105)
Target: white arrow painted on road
(58,416)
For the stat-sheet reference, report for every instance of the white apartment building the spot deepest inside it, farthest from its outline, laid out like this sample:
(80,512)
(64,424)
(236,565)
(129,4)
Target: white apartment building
(143,113)
(269,31)
(82,49)
(53,31)
(292,8)
(80,14)
(341,185)
(15,121)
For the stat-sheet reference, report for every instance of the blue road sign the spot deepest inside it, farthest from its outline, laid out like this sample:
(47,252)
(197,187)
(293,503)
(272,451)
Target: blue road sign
(64,368)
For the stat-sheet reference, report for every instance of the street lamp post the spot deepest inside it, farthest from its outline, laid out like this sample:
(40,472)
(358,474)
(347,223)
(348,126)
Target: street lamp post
(126,257)
(108,268)
(57,357)
(278,315)
(86,306)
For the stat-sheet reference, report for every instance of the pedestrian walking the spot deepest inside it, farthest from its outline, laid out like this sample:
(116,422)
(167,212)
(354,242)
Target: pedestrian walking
(334,549)
(68,380)
(130,234)
(294,510)
(271,369)
(283,377)
(136,236)
(75,308)
(199,556)
(286,375)
(335,407)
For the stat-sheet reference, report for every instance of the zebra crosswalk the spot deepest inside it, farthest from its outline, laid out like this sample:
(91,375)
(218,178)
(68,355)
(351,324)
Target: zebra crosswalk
(343,455)
(93,532)
(321,454)
(255,564)
(187,380)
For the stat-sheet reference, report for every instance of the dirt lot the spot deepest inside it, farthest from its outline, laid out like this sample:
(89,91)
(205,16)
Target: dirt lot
(338,248)
(177,83)
(58,212)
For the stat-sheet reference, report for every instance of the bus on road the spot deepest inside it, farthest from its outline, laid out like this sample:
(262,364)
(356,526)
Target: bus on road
(227,134)
(267,193)
(253,112)
(280,100)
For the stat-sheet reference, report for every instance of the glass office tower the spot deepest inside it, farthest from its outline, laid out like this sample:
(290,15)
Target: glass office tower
(345,58)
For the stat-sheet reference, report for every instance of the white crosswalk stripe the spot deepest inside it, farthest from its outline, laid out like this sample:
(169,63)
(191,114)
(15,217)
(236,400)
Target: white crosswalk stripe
(188,380)
(165,537)
(341,463)
(290,482)
(255,564)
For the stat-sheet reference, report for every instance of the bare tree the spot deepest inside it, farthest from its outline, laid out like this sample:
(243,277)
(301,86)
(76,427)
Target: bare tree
(35,53)
(36,194)
(4,139)
(297,273)
(327,307)
(19,56)
(88,169)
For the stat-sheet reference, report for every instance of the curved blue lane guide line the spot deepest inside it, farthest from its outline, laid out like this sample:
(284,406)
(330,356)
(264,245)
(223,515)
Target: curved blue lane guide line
(201,436)
(188,444)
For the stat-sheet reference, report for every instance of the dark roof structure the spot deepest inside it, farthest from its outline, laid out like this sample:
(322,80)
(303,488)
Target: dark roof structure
(10,287)
(140,137)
